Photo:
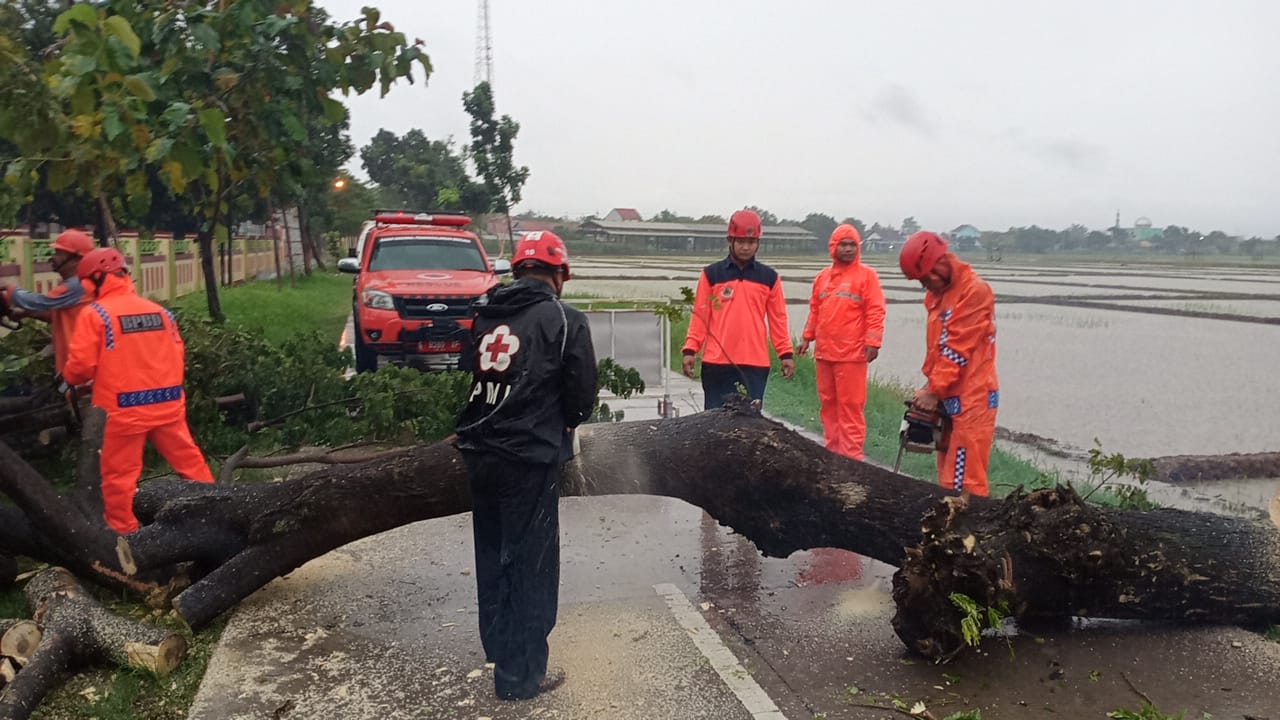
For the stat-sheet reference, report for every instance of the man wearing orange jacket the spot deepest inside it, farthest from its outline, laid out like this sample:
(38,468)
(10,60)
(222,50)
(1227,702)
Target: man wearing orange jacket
(61,305)
(737,302)
(846,321)
(131,350)
(960,360)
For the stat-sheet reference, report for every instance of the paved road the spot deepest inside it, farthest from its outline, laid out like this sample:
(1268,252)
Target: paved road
(664,614)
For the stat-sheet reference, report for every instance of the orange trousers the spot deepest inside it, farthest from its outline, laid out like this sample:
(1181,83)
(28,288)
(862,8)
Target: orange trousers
(121,465)
(842,393)
(967,441)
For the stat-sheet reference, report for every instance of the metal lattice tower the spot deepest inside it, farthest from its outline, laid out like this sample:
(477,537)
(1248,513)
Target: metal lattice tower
(484,45)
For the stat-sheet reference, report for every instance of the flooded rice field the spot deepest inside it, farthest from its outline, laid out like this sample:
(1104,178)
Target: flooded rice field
(1141,383)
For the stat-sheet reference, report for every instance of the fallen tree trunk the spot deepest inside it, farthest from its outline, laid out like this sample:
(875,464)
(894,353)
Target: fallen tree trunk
(780,491)
(76,629)
(58,529)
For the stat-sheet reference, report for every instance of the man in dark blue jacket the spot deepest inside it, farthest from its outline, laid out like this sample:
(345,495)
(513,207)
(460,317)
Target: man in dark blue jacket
(534,381)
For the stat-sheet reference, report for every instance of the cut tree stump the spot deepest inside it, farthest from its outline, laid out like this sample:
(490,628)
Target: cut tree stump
(77,630)
(18,639)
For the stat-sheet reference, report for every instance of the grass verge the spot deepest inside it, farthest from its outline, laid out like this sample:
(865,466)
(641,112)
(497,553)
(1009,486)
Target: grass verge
(319,302)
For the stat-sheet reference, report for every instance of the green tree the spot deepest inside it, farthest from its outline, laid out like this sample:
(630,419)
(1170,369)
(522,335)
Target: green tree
(493,150)
(861,226)
(820,224)
(766,217)
(909,225)
(418,173)
(670,217)
(713,220)
(220,102)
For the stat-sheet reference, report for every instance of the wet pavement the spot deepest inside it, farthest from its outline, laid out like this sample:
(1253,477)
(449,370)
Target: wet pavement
(664,614)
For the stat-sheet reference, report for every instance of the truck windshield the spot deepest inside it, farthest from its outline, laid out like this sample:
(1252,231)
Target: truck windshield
(426,253)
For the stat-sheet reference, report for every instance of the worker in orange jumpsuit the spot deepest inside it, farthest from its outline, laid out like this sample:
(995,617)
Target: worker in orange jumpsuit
(61,305)
(960,360)
(846,321)
(738,300)
(131,350)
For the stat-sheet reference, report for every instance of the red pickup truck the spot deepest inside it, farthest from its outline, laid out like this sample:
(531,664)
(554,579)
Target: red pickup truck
(417,275)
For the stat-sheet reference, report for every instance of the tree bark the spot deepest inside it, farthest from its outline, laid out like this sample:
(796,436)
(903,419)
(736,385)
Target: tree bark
(58,530)
(87,494)
(782,492)
(275,244)
(288,246)
(76,629)
(205,239)
(108,235)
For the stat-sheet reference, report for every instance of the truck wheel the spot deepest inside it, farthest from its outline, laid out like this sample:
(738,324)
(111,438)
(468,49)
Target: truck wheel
(366,359)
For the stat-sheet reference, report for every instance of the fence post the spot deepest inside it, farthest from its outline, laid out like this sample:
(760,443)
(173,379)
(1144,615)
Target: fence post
(170,267)
(23,254)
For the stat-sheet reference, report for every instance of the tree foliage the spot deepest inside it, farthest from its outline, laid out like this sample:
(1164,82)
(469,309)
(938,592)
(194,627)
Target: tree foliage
(417,173)
(493,149)
(217,102)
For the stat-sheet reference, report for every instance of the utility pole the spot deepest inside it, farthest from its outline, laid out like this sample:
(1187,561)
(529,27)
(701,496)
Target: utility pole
(484,45)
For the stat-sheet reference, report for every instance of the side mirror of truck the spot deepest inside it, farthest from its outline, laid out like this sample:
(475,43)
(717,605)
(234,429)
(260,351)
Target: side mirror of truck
(349,265)
(502,266)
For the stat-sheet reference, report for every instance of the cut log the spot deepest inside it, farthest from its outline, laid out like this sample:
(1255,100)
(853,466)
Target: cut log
(79,630)
(61,605)
(8,671)
(18,639)
(779,490)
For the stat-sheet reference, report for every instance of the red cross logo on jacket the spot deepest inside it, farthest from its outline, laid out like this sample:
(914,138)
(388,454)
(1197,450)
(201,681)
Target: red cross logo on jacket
(497,348)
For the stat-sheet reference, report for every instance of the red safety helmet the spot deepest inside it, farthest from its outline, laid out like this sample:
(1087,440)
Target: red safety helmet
(100,260)
(744,224)
(542,247)
(920,253)
(76,242)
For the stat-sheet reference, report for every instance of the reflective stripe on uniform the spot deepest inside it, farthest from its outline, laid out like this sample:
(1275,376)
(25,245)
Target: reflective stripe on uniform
(958,478)
(106,322)
(152,396)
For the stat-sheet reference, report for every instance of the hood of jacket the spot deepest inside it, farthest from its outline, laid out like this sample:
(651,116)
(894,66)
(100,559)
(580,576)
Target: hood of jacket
(839,235)
(507,300)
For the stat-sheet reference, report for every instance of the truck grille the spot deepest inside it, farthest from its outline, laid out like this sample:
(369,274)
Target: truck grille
(427,308)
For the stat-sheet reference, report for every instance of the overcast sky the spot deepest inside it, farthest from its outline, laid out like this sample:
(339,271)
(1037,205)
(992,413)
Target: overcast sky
(990,113)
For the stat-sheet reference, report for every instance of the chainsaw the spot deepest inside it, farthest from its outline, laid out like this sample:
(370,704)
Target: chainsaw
(5,310)
(920,433)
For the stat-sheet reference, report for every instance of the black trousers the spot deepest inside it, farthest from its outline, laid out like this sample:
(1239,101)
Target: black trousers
(721,380)
(516,522)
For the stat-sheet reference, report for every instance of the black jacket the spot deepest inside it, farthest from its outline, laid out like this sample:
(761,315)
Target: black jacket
(533,374)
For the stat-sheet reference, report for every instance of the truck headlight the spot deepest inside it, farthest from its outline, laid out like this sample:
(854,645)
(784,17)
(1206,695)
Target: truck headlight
(378,299)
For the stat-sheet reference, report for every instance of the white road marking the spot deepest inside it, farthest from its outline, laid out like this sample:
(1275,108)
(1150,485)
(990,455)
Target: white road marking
(722,660)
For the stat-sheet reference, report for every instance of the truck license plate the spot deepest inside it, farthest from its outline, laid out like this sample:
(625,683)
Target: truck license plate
(439,346)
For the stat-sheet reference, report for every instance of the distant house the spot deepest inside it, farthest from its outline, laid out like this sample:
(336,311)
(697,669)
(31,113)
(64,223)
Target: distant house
(875,242)
(623,215)
(696,237)
(966,237)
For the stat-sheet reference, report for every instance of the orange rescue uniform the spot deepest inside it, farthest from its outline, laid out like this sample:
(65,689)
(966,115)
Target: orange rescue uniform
(730,307)
(131,350)
(846,316)
(960,366)
(61,306)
